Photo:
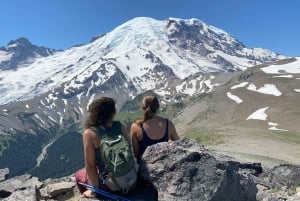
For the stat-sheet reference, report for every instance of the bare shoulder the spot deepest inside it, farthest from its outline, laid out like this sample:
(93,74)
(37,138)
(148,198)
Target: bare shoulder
(135,125)
(135,130)
(89,134)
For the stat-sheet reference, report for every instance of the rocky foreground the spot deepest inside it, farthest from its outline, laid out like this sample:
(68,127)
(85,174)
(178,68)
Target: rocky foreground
(182,170)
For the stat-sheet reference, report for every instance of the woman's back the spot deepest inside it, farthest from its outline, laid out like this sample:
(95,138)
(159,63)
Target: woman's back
(152,128)
(155,128)
(153,131)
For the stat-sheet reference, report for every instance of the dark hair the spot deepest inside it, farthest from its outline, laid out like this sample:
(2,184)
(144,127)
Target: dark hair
(150,106)
(100,111)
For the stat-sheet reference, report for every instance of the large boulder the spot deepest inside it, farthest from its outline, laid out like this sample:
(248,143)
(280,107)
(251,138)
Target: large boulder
(184,170)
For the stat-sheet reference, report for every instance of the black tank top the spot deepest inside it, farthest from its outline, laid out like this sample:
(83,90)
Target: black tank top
(146,141)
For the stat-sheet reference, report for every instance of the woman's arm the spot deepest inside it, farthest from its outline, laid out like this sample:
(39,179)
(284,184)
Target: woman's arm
(172,132)
(89,138)
(135,140)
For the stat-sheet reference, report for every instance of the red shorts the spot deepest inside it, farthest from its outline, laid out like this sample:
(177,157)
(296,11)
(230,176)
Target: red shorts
(81,176)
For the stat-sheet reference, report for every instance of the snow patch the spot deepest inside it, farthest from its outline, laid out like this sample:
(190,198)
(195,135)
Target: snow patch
(39,119)
(81,110)
(297,90)
(272,124)
(269,89)
(51,119)
(234,98)
(27,106)
(293,67)
(243,84)
(259,114)
(76,110)
(90,101)
(274,127)
(285,76)
(4,56)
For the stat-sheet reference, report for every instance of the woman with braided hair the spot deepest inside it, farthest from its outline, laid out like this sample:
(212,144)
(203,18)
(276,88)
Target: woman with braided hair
(152,128)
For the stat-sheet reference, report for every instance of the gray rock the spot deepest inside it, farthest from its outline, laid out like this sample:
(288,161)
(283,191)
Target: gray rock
(184,170)
(4,174)
(20,182)
(56,189)
(23,187)
(28,194)
(285,175)
(279,183)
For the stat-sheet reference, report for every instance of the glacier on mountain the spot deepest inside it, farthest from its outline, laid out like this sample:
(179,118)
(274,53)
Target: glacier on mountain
(147,53)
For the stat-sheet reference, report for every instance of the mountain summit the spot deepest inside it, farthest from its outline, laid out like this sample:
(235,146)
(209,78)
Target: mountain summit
(147,53)
(20,52)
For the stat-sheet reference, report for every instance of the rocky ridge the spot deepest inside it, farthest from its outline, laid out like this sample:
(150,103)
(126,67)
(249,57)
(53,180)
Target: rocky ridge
(22,52)
(182,170)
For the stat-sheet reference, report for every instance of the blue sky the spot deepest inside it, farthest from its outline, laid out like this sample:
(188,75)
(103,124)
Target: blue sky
(272,24)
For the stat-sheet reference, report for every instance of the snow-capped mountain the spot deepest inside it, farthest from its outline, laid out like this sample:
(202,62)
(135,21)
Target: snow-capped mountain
(45,93)
(149,54)
(21,52)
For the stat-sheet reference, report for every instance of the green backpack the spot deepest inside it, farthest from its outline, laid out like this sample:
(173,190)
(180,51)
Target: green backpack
(116,154)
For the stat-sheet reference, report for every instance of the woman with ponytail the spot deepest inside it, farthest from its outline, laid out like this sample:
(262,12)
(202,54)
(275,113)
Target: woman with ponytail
(152,128)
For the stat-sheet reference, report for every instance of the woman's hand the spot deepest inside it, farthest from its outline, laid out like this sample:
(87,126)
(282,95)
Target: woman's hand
(88,194)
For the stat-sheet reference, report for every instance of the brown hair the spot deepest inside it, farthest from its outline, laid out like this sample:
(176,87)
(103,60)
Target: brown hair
(150,106)
(100,111)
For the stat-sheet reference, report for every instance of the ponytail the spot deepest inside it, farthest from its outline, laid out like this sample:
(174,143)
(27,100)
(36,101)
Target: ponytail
(148,114)
(150,106)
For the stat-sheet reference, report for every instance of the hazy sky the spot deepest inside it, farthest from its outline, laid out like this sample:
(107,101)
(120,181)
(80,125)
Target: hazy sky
(272,24)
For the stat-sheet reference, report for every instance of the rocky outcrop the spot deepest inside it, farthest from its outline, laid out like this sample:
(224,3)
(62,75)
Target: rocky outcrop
(23,187)
(280,183)
(182,170)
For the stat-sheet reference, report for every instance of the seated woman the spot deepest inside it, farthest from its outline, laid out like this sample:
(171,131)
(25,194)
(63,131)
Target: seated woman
(101,114)
(151,129)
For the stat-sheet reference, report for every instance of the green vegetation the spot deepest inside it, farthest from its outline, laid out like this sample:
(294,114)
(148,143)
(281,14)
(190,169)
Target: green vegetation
(126,116)
(64,157)
(287,136)
(293,188)
(205,136)
(273,190)
(4,143)
(172,110)
(20,153)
